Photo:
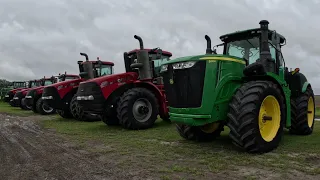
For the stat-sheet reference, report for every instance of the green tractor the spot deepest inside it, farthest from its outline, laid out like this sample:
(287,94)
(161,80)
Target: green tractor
(247,88)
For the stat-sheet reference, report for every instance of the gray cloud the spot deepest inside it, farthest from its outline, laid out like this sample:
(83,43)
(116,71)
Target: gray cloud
(41,38)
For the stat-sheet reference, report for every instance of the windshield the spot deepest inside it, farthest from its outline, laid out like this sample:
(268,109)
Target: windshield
(104,70)
(247,49)
(35,84)
(67,78)
(47,82)
(157,64)
(18,84)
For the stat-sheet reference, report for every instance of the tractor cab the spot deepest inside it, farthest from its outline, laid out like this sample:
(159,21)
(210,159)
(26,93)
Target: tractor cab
(18,84)
(247,45)
(35,83)
(146,62)
(93,69)
(67,77)
(48,81)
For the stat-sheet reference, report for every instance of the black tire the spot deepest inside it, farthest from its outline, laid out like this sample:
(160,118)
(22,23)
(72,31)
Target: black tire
(78,113)
(34,107)
(299,113)
(40,106)
(76,109)
(11,104)
(23,104)
(65,114)
(243,116)
(125,108)
(196,133)
(110,116)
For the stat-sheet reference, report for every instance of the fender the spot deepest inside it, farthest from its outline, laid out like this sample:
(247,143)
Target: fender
(305,86)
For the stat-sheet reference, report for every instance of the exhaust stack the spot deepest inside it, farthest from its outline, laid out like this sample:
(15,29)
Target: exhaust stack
(85,55)
(208,50)
(265,55)
(140,41)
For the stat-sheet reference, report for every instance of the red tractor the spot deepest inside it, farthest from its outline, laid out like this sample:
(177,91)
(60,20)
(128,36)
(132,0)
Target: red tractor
(34,100)
(19,97)
(133,99)
(17,86)
(61,96)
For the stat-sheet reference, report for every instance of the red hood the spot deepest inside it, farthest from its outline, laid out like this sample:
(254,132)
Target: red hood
(114,78)
(17,89)
(25,91)
(64,83)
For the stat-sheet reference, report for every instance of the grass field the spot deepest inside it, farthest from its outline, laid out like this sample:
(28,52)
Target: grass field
(162,152)
(6,108)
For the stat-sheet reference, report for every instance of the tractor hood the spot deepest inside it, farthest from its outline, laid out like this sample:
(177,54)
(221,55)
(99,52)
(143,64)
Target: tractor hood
(114,78)
(218,57)
(25,91)
(59,85)
(15,90)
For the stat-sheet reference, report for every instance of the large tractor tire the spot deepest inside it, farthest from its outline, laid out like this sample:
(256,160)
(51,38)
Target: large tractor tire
(23,105)
(110,116)
(137,109)
(11,103)
(65,114)
(256,116)
(303,113)
(78,113)
(34,108)
(204,133)
(43,108)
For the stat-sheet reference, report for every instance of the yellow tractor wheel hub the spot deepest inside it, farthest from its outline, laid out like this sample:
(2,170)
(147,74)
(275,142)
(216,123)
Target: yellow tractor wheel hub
(310,112)
(210,128)
(269,118)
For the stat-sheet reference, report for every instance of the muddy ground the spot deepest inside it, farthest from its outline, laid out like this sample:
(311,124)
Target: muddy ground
(28,152)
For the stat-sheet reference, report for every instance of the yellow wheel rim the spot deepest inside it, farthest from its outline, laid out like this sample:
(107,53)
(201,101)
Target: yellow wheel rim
(269,118)
(310,112)
(210,128)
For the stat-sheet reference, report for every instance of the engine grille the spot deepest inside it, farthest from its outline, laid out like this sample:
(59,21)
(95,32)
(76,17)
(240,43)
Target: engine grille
(56,102)
(187,87)
(91,106)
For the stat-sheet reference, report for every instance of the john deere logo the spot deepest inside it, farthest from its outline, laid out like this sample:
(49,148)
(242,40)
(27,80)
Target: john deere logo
(171,81)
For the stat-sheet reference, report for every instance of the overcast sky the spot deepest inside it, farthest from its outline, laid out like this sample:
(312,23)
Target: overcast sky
(43,38)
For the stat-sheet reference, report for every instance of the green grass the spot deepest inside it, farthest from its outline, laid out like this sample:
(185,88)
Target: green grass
(161,150)
(6,108)
(318,112)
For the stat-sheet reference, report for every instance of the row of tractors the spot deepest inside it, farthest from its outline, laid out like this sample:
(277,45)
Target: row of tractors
(133,99)
(247,88)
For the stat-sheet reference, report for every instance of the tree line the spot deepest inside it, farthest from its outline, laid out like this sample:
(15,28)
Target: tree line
(5,83)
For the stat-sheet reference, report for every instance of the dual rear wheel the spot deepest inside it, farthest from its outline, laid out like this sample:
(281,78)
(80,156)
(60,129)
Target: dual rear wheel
(257,117)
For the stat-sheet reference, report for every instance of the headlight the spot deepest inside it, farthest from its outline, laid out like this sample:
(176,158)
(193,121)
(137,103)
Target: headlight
(183,65)
(46,97)
(16,98)
(164,68)
(6,96)
(180,65)
(28,97)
